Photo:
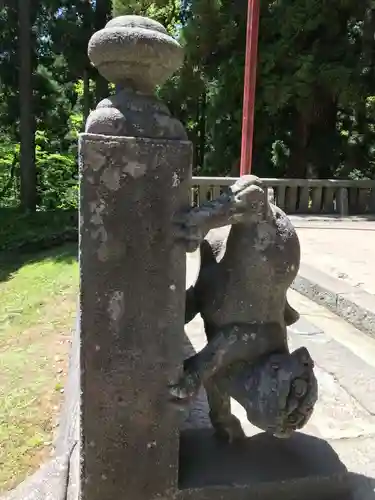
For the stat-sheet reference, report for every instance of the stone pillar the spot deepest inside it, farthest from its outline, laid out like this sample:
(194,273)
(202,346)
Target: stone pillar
(135,174)
(342,202)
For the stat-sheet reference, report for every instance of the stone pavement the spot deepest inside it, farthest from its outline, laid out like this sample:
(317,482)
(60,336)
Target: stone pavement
(343,248)
(340,438)
(338,266)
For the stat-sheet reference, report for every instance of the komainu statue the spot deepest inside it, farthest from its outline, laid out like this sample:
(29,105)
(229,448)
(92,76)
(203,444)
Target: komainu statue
(250,255)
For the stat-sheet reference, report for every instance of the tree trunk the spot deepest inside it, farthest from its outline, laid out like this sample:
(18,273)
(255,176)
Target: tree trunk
(86,10)
(297,164)
(324,145)
(27,122)
(202,128)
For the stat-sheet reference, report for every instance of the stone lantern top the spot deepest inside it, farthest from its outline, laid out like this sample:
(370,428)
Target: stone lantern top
(135,52)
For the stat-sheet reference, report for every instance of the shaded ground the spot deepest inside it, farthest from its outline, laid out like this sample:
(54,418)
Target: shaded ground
(33,232)
(37,310)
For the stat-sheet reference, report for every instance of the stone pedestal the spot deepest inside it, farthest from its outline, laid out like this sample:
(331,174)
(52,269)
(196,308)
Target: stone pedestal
(135,175)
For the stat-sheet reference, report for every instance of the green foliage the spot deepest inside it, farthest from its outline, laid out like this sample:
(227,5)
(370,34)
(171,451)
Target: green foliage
(165,11)
(315,103)
(35,231)
(9,162)
(57,173)
(316,68)
(58,180)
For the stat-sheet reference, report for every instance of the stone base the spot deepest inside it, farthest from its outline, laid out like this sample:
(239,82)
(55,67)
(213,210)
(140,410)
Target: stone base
(266,468)
(261,463)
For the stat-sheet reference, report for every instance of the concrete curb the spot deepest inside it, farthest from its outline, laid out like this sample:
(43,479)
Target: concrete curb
(352,304)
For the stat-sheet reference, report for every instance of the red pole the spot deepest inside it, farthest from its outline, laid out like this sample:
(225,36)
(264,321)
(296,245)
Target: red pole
(252,31)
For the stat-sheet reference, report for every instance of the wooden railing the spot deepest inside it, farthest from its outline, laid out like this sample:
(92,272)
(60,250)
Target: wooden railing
(304,196)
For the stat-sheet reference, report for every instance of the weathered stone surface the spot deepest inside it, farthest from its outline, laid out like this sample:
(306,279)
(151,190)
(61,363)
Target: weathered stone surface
(132,303)
(68,433)
(344,409)
(250,255)
(135,52)
(135,176)
(134,115)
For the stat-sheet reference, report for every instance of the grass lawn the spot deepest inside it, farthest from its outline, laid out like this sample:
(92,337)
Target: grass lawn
(37,312)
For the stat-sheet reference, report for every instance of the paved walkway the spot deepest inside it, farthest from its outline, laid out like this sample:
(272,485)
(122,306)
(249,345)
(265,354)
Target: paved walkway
(338,267)
(342,248)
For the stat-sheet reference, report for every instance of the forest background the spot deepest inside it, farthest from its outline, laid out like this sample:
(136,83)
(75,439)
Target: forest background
(315,98)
